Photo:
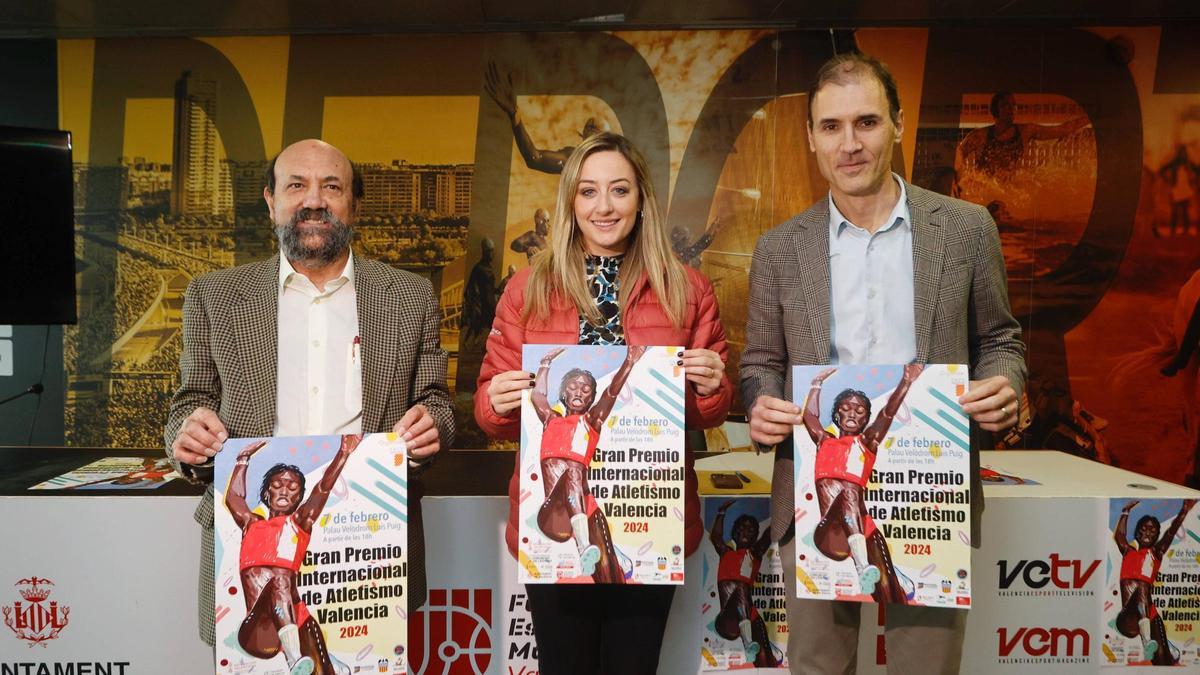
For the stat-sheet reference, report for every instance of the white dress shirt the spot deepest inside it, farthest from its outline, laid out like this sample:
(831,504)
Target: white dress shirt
(319,373)
(872,319)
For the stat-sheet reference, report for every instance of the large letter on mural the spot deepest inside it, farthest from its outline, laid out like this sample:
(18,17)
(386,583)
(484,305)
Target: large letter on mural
(592,64)
(1075,64)
(124,70)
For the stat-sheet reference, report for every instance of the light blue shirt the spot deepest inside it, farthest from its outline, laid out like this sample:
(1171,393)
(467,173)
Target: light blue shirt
(871,318)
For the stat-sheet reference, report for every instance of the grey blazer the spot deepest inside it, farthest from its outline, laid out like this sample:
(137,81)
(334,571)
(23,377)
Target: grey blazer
(230,341)
(960,300)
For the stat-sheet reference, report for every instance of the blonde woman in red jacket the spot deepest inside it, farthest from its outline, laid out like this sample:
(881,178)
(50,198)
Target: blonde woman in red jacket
(608,277)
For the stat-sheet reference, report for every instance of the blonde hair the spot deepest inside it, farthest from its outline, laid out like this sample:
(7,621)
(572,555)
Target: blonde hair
(561,268)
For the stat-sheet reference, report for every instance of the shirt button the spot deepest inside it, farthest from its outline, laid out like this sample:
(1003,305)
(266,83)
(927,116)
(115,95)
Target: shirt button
(871,293)
(317,301)
(317,389)
(316,343)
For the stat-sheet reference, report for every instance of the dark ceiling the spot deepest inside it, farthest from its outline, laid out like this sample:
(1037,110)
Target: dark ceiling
(107,18)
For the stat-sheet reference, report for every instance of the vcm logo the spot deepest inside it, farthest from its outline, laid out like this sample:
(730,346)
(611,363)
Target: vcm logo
(452,635)
(1038,573)
(1046,641)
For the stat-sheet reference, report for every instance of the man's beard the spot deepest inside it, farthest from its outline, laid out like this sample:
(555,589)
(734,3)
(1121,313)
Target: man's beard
(335,239)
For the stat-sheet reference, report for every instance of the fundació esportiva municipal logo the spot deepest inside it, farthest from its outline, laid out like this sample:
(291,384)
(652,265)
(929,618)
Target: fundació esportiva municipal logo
(35,618)
(454,633)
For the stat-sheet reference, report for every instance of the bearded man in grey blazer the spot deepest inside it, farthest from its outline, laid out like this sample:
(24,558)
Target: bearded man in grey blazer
(881,271)
(313,341)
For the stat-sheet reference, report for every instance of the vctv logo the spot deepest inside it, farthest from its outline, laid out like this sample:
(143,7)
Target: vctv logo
(1041,645)
(1056,576)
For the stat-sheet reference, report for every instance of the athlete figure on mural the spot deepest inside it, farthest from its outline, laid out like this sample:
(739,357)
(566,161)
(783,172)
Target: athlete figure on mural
(272,550)
(568,443)
(500,89)
(532,242)
(1139,568)
(736,574)
(843,465)
(689,251)
(998,147)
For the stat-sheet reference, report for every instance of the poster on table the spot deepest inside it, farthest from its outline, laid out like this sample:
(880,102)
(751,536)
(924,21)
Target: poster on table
(115,473)
(311,555)
(602,465)
(744,605)
(882,480)
(1151,611)
(991,474)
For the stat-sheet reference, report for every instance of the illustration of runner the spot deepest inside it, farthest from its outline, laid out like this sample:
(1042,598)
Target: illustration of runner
(844,463)
(1139,568)
(736,574)
(272,550)
(568,444)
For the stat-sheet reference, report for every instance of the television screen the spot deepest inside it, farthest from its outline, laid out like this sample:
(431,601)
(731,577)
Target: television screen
(37,252)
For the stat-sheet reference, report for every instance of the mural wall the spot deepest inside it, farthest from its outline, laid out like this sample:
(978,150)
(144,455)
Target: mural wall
(1083,143)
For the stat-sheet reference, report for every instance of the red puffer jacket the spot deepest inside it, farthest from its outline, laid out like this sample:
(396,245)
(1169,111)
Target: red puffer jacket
(644,323)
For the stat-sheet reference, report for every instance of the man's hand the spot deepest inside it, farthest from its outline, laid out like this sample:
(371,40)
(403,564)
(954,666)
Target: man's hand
(772,419)
(199,438)
(419,434)
(504,391)
(992,403)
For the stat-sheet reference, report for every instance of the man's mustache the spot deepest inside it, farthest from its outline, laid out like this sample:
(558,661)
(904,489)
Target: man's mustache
(315,215)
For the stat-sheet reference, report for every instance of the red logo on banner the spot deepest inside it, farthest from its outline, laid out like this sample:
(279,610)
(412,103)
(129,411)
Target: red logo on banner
(1035,641)
(35,620)
(452,635)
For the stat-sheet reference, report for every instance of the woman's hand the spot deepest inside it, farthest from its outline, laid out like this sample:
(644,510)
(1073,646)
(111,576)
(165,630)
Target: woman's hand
(704,369)
(504,391)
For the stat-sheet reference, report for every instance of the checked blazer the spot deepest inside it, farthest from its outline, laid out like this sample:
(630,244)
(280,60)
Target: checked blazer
(960,298)
(229,362)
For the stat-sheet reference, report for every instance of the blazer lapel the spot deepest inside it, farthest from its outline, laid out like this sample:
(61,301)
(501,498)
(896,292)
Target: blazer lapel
(929,250)
(379,352)
(812,249)
(256,328)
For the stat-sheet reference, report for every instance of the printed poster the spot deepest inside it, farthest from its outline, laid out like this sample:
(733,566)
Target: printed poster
(994,475)
(882,480)
(1151,613)
(115,473)
(602,466)
(744,606)
(312,555)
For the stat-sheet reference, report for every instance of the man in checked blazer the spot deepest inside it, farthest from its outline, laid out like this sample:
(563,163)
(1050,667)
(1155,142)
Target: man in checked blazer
(313,341)
(879,272)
